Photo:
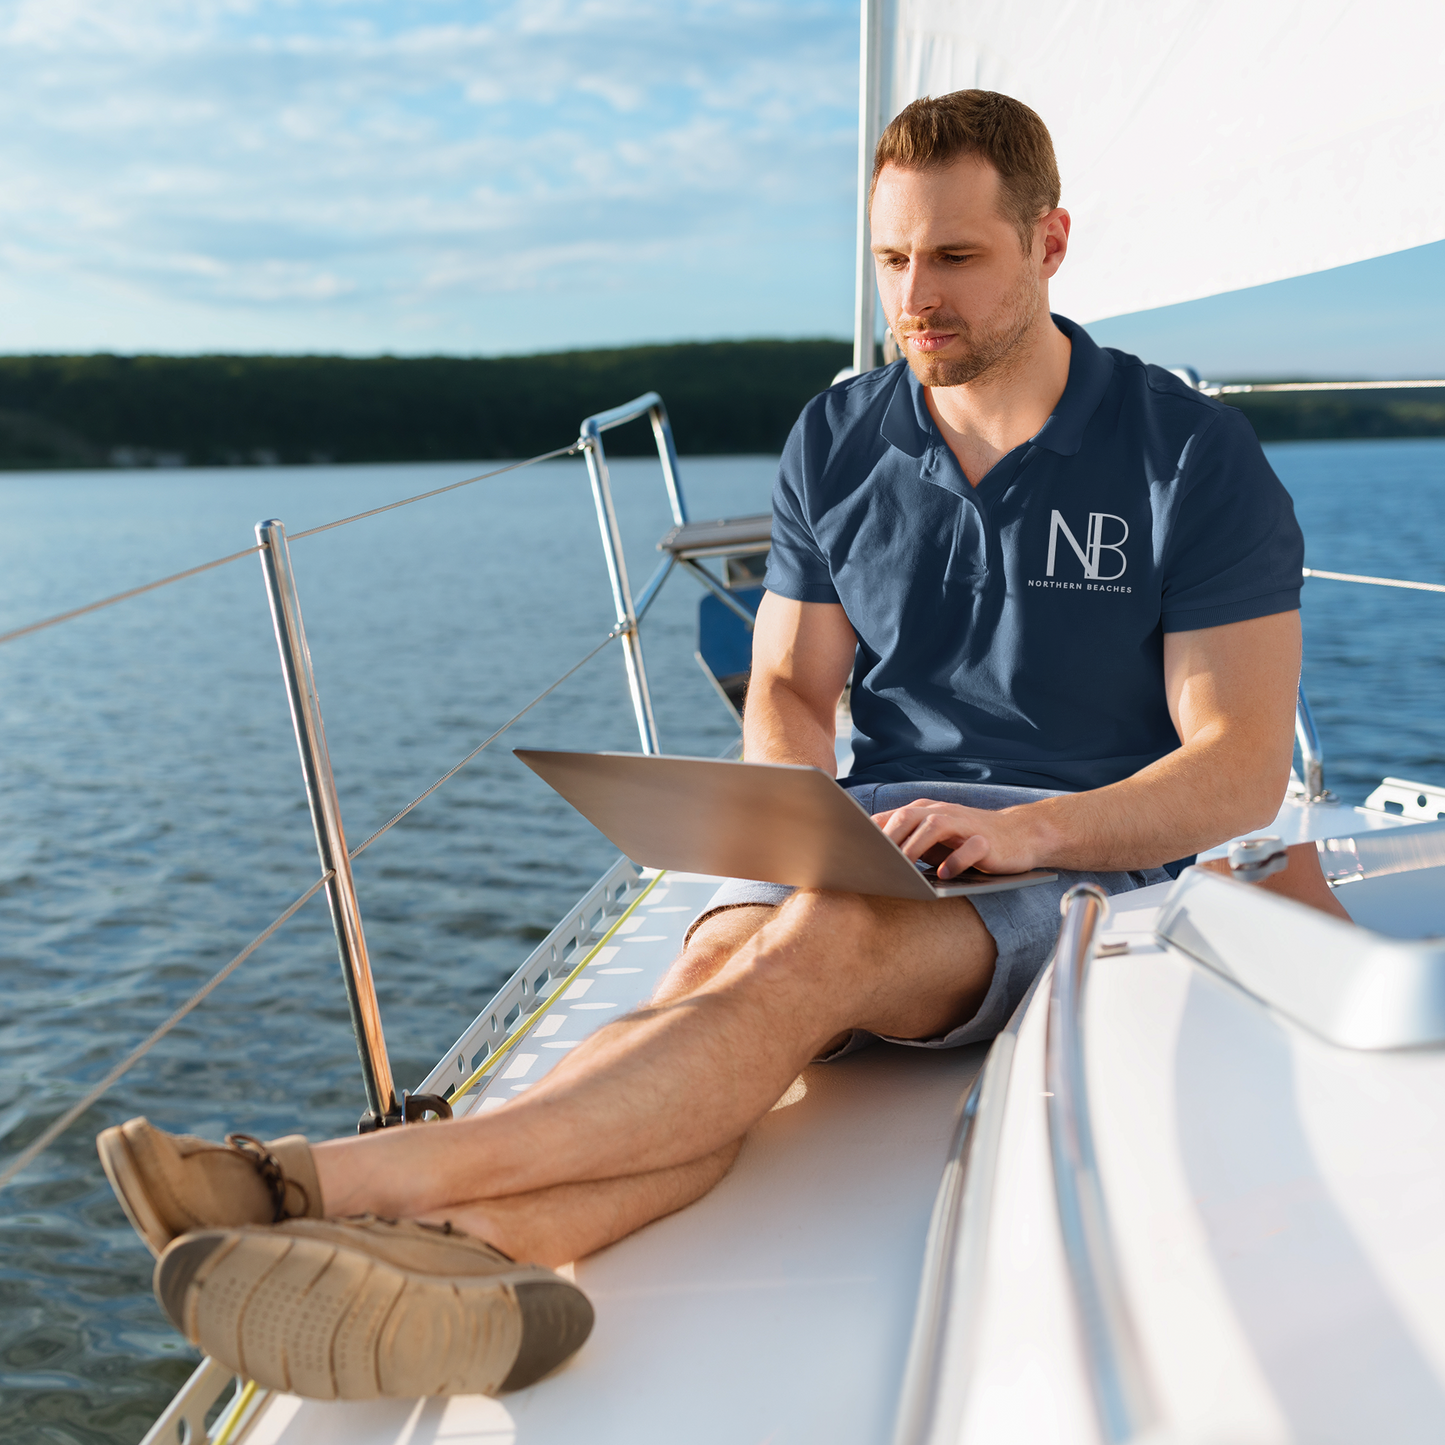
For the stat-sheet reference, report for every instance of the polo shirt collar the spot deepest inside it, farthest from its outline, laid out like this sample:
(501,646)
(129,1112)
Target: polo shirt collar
(909,426)
(1090,370)
(907,423)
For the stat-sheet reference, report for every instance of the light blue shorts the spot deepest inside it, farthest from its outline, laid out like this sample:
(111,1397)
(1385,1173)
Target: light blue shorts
(1024,922)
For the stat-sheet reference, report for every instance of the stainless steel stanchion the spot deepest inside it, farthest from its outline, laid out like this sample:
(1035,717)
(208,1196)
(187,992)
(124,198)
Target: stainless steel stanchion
(382,1106)
(1312,754)
(621,589)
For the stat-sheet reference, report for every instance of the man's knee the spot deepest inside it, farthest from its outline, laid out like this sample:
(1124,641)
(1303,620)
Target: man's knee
(710,945)
(912,964)
(815,938)
(866,921)
(845,927)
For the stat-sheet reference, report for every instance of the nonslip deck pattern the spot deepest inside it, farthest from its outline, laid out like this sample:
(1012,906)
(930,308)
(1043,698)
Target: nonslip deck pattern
(622,975)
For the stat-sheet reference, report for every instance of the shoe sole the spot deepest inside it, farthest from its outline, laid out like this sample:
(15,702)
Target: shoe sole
(328,1323)
(125,1178)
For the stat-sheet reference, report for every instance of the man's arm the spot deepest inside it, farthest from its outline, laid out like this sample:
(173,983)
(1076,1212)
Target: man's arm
(1231,694)
(802,655)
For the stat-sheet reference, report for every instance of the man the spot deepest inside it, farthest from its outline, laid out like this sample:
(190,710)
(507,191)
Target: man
(1066,589)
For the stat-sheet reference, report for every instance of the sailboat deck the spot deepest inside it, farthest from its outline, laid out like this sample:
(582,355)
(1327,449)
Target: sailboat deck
(778,1308)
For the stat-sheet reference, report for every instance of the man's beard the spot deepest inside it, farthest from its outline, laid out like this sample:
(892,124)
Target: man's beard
(988,349)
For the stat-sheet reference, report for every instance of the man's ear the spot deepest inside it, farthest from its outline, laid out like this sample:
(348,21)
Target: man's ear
(1054,230)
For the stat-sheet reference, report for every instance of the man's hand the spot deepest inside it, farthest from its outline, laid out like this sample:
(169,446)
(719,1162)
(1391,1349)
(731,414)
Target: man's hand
(956,838)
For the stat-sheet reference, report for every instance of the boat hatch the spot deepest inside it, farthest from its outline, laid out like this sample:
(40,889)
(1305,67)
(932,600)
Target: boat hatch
(1352,985)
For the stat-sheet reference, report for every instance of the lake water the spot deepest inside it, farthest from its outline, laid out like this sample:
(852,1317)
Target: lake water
(154,818)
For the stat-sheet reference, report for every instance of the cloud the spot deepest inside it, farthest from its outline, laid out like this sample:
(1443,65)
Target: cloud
(353,167)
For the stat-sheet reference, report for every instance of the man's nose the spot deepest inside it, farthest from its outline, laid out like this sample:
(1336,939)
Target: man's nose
(917,295)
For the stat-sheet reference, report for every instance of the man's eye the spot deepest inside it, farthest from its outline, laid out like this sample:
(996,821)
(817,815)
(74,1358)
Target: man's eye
(955,260)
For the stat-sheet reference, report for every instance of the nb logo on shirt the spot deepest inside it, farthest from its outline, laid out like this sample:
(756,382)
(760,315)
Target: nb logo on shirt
(1094,546)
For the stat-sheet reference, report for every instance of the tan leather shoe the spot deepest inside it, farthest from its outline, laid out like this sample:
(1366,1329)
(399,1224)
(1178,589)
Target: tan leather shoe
(353,1309)
(170,1184)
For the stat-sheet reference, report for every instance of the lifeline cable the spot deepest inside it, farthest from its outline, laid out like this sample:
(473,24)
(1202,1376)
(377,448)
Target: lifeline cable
(516,717)
(551,456)
(251,551)
(1375,581)
(121,596)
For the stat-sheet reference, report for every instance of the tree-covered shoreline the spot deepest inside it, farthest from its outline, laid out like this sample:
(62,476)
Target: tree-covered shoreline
(723,397)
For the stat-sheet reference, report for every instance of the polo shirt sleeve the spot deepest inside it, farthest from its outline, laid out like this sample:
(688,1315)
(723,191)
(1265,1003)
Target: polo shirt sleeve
(796,565)
(1235,551)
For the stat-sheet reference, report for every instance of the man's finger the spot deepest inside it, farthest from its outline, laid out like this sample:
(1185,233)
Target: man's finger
(970,855)
(907,810)
(932,830)
(913,834)
(903,823)
(911,814)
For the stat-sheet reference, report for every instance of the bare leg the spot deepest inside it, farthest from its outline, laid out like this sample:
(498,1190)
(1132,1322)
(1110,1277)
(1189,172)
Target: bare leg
(713,942)
(569,1221)
(686,1077)
(564,1222)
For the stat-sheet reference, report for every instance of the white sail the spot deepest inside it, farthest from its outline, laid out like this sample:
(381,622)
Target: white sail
(1205,145)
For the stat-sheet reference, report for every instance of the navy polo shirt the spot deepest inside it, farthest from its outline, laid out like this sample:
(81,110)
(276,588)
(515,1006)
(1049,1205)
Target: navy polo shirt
(1013,632)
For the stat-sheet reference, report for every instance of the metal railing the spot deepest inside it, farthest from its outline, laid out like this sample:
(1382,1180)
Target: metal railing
(628,612)
(325,807)
(383,1108)
(1312,754)
(1119,1381)
(1191,377)
(272,545)
(1246,388)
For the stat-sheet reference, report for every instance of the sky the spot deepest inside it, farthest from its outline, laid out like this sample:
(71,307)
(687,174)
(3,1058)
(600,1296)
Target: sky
(481,177)
(1383,318)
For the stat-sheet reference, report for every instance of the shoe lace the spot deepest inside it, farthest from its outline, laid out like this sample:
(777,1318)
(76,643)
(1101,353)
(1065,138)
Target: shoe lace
(446,1227)
(273,1176)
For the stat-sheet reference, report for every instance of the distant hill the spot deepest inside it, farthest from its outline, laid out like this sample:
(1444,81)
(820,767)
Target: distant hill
(726,396)
(1343,415)
(66,411)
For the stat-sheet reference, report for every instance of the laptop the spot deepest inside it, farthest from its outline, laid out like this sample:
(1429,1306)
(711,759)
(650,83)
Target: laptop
(775,822)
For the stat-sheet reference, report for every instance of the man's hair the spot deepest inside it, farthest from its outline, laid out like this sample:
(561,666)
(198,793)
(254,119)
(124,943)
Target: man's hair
(1000,129)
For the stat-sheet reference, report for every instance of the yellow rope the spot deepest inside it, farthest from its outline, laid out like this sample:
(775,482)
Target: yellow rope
(562,988)
(243,1399)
